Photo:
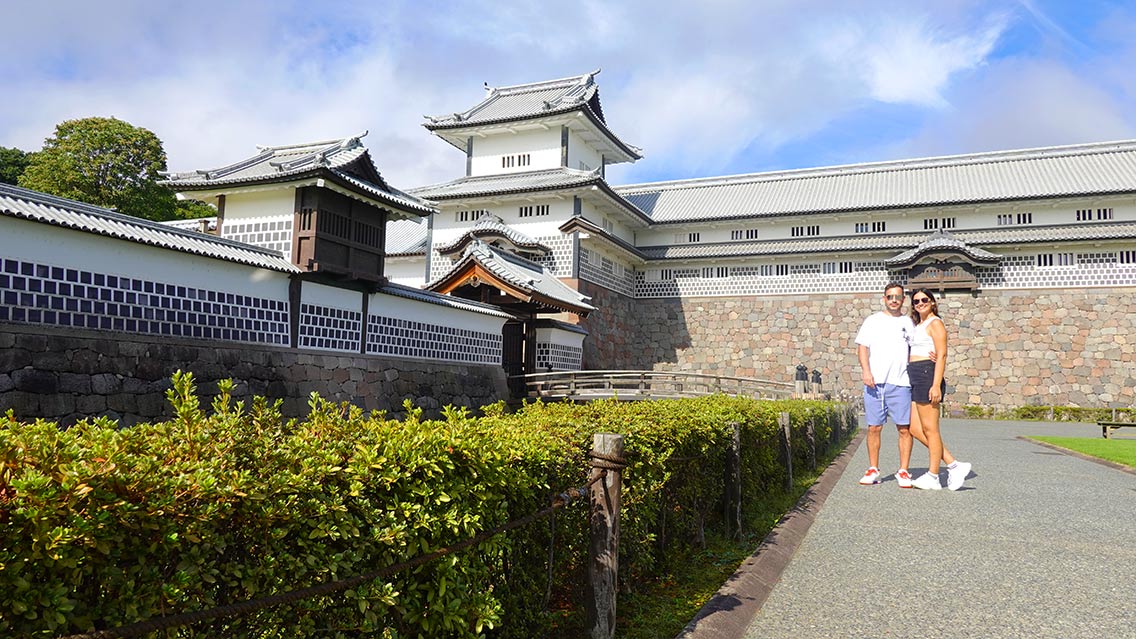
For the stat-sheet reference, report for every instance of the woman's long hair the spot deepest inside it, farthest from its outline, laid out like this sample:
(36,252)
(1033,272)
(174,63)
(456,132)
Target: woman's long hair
(915,317)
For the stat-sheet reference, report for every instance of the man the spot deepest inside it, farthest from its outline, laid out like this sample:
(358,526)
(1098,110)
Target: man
(881,346)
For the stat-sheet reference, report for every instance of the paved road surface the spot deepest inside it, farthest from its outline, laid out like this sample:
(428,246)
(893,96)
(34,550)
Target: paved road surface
(1037,544)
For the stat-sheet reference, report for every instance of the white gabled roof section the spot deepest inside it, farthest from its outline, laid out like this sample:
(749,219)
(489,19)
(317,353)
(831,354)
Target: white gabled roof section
(1051,172)
(48,209)
(345,161)
(537,102)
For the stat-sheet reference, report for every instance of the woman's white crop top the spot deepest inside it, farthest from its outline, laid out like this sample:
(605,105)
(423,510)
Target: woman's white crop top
(921,343)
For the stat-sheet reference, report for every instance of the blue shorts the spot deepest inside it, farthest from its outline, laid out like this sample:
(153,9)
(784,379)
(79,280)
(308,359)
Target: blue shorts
(887,399)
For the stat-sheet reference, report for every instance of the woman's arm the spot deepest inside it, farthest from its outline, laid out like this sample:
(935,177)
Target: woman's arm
(938,334)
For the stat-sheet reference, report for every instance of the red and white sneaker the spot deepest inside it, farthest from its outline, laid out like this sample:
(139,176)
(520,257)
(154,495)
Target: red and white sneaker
(871,477)
(903,478)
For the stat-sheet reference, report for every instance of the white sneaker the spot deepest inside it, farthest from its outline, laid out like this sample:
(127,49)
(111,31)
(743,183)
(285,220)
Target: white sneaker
(957,475)
(927,481)
(871,477)
(903,478)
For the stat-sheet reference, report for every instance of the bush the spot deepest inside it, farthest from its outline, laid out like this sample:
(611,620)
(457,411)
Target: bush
(106,526)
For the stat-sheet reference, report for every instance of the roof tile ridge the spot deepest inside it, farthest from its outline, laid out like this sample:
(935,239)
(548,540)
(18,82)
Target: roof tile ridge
(884,166)
(568,82)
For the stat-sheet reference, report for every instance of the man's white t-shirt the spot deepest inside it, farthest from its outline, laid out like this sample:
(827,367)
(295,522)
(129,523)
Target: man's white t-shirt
(886,338)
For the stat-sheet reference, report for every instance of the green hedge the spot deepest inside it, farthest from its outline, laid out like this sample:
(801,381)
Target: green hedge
(105,526)
(1055,413)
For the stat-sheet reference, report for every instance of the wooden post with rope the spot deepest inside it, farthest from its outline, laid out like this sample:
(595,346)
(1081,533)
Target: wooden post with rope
(603,547)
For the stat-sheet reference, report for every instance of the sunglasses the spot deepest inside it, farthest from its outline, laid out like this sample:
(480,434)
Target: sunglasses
(895,298)
(919,301)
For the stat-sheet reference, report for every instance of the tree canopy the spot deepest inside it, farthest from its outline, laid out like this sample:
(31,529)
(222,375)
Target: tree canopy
(12,164)
(106,162)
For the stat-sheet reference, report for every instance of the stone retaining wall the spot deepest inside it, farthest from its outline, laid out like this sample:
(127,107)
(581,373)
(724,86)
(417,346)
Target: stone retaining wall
(1008,348)
(64,375)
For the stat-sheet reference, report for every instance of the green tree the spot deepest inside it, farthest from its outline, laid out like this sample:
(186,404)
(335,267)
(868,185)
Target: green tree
(12,164)
(106,162)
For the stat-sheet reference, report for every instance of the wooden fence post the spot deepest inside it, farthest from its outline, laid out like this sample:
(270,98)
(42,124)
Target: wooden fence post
(786,449)
(810,439)
(734,481)
(603,549)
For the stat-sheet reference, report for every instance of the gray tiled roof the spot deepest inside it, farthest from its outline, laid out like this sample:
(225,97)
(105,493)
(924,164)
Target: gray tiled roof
(449,301)
(897,242)
(342,159)
(523,182)
(525,275)
(407,237)
(489,225)
(502,104)
(941,240)
(536,100)
(1087,169)
(49,209)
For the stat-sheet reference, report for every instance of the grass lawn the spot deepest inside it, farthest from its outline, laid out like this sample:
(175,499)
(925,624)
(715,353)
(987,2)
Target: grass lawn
(1121,451)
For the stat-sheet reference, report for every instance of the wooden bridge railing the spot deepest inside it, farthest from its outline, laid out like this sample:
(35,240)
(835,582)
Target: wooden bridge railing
(635,385)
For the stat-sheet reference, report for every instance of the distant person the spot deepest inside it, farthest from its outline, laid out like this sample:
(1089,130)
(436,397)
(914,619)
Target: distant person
(882,350)
(927,390)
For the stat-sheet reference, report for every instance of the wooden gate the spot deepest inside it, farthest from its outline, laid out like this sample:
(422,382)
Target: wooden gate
(513,356)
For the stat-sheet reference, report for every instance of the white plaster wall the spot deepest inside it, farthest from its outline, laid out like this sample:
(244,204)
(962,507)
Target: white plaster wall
(415,311)
(46,244)
(273,204)
(543,146)
(597,217)
(560,337)
(348,300)
(406,271)
(579,151)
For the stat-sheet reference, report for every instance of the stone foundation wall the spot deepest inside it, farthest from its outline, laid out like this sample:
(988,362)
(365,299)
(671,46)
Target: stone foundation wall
(1007,348)
(65,375)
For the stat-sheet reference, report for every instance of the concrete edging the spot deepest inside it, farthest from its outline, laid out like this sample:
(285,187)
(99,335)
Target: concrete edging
(1072,453)
(729,612)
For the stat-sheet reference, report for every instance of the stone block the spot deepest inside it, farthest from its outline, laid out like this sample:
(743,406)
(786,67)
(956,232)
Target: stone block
(56,406)
(6,383)
(33,343)
(75,384)
(90,405)
(106,383)
(7,340)
(14,358)
(33,381)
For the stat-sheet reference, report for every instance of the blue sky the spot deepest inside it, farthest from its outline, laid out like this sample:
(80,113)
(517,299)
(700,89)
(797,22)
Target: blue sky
(711,88)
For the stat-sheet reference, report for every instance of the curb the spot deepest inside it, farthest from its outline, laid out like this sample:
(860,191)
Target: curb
(730,611)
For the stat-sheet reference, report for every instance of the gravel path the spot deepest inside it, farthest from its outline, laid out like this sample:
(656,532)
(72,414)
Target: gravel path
(1036,544)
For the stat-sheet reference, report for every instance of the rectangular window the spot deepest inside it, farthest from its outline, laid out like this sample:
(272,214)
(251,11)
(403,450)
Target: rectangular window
(805,231)
(1025,218)
(846,267)
(766,270)
(713,272)
(879,227)
(948,222)
(1128,257)
(1045,259)
(828,268)
(687,238)
(930,223)
(1084,215)
(861,227)
(666,274)
(1005,219)
(1066,259)
(782,269)
(1104,214)
(609,226)
(743,234)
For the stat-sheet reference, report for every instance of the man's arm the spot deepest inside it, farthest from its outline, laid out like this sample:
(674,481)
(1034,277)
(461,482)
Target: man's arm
(865,368)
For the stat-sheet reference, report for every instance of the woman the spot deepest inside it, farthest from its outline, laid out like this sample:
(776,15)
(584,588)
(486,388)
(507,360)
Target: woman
(927,389)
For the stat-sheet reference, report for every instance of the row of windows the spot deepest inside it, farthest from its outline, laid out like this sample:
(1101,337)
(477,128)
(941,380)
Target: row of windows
(934,223)
(533,210)
(805,231)
(871,227)
(469,216)
(1044,260)
(1086,215)
(520,159)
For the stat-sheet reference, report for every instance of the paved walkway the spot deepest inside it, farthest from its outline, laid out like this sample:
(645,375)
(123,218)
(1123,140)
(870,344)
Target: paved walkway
(1038,544)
